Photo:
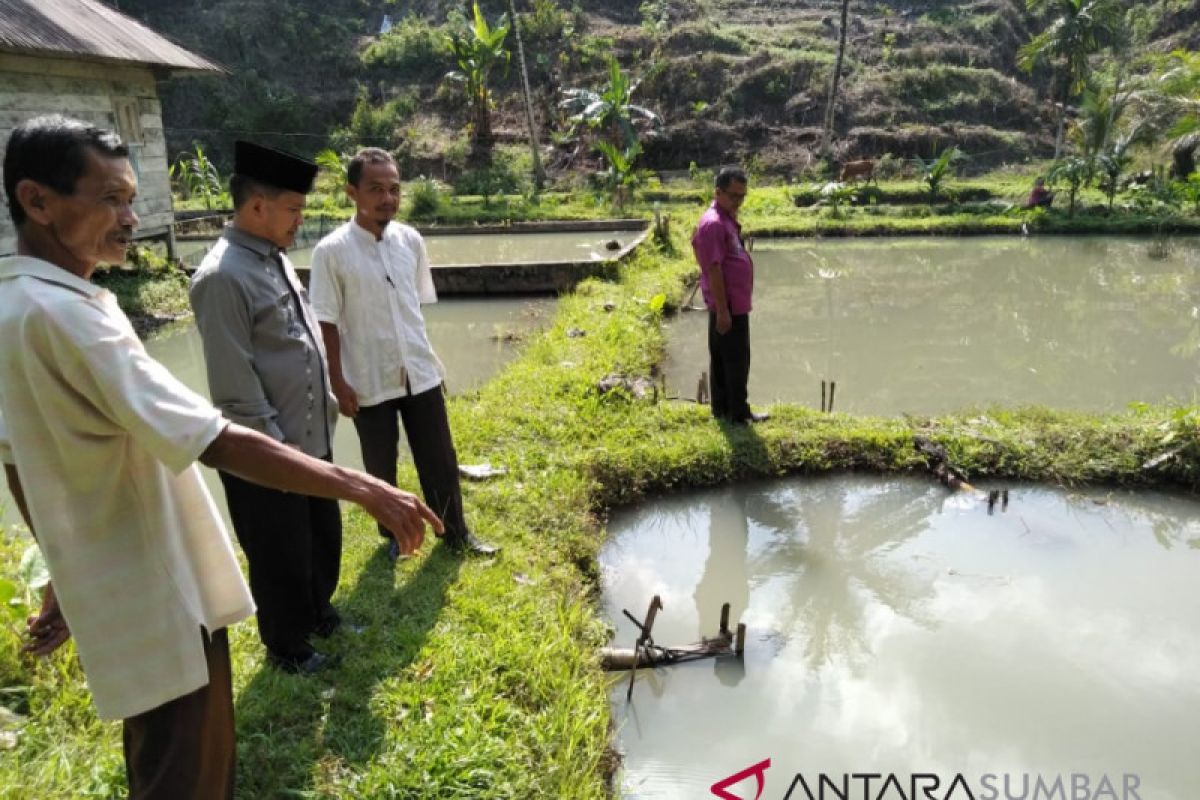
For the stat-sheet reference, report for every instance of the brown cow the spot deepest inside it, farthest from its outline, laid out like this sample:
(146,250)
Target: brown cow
(858,169)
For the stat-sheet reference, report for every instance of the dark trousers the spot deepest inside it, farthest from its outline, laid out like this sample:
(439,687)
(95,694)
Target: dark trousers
(428,430)
(293,544)
(184,749)
(729,368)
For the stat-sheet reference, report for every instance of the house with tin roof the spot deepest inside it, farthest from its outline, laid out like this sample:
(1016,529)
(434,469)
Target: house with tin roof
(87,60)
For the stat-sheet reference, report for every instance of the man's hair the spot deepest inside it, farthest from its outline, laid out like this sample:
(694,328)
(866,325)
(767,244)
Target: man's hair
(241,189)
(729,175)
(368,155)
(52,150)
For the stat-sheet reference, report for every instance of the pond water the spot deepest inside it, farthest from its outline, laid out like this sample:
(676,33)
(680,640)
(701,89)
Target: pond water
(474,337)
(935,325)
(476,248)
(896,628)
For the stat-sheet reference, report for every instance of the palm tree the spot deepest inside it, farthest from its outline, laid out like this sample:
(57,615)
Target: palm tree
(539,175)
(477,54)
(1179,89)
(834,81)
(609,109)
(1078,29)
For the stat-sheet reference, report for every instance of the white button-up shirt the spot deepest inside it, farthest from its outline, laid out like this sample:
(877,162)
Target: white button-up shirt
(373,291)
(104,440)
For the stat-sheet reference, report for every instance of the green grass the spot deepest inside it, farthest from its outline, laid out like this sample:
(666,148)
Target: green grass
(479,679)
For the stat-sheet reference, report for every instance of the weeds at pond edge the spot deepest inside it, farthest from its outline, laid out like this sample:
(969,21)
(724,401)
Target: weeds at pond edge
(480,678)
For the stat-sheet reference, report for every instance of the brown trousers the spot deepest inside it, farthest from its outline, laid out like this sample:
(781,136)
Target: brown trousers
(184,749)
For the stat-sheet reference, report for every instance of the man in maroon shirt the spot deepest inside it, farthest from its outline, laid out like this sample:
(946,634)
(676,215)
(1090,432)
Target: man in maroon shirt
(727,281)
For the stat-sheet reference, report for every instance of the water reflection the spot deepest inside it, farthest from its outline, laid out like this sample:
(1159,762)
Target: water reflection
(932,325)
(894,627)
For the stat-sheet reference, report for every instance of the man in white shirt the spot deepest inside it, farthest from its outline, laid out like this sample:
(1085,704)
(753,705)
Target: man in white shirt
(99,441)
(369,279)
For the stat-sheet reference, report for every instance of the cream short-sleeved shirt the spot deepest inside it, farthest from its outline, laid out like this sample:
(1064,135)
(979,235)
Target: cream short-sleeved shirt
(104,440)
(373,291)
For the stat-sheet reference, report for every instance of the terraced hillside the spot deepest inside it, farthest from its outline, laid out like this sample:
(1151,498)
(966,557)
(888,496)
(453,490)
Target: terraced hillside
(733,79)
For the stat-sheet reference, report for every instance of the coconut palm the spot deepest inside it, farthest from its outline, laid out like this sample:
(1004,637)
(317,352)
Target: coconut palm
(477,52)
(609,109)
(539,176)
(1178,88)
(834,81)
(1078,29)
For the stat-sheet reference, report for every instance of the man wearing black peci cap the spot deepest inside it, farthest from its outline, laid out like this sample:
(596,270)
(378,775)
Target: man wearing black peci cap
(267,371)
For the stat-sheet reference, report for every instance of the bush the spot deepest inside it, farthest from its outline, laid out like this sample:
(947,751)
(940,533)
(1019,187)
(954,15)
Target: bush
(378,126)
(704,37)
(412,47)
(499,177)
(425,199)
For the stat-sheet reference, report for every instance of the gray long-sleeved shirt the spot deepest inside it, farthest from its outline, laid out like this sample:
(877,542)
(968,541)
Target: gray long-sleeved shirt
(264,352)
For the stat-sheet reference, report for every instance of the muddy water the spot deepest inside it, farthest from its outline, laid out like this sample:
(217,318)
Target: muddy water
(480,248)
(935,325)
(895,629)
(474,337)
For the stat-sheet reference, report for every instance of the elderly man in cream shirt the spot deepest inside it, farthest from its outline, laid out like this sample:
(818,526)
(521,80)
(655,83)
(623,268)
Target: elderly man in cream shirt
(369,279)
(99,443)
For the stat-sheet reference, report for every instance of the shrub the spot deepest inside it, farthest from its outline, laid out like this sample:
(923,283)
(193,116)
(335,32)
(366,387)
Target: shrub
(374,125)
(425,199)
(499,177)
(411,47)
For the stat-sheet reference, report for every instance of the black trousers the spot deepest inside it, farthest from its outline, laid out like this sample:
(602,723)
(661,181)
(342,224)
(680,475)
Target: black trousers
(293,544)
(729,368)
(428,430)
(185,748)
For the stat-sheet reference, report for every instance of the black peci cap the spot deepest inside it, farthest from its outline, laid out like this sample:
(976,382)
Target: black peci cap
(273,167)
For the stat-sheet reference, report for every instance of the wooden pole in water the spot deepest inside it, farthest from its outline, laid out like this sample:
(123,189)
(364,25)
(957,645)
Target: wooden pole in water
(832,389)
(740,647)
(725,619)
(655,606)
(822,397)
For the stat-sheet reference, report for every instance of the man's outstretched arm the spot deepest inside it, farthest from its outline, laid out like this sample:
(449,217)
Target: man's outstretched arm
(262,460)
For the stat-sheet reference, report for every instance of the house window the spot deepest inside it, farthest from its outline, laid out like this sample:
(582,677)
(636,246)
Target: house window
(129,120)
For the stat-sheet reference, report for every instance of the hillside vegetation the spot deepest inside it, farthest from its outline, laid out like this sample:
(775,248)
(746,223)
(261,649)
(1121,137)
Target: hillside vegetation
(733,80)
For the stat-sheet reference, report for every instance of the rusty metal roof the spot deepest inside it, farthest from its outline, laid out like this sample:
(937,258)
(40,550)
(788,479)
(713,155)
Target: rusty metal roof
(89,29)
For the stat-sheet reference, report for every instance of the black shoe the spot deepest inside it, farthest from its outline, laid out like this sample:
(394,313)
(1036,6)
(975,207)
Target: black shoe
(311,664)
(763,417)
(469,545)
(327,625)
(393,549)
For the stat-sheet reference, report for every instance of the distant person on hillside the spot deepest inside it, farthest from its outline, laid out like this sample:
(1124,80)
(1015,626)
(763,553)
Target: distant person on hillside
(369,279)
(1039,196)
(727,282)
(99,443)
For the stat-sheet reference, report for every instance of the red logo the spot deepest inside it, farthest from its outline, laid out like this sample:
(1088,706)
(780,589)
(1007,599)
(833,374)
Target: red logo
(719,788)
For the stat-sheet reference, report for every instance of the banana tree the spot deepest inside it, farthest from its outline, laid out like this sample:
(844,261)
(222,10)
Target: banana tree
(609,109)
(336,164)
(477,52)
(1073,171)
(620,178)
(935,170)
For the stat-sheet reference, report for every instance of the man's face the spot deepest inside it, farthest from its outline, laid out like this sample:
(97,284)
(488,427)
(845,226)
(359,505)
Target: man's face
(377,195)
(96,223)
(730,198)
(281,216)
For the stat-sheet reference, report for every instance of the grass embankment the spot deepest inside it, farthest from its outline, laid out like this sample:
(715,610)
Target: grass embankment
(478,679)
